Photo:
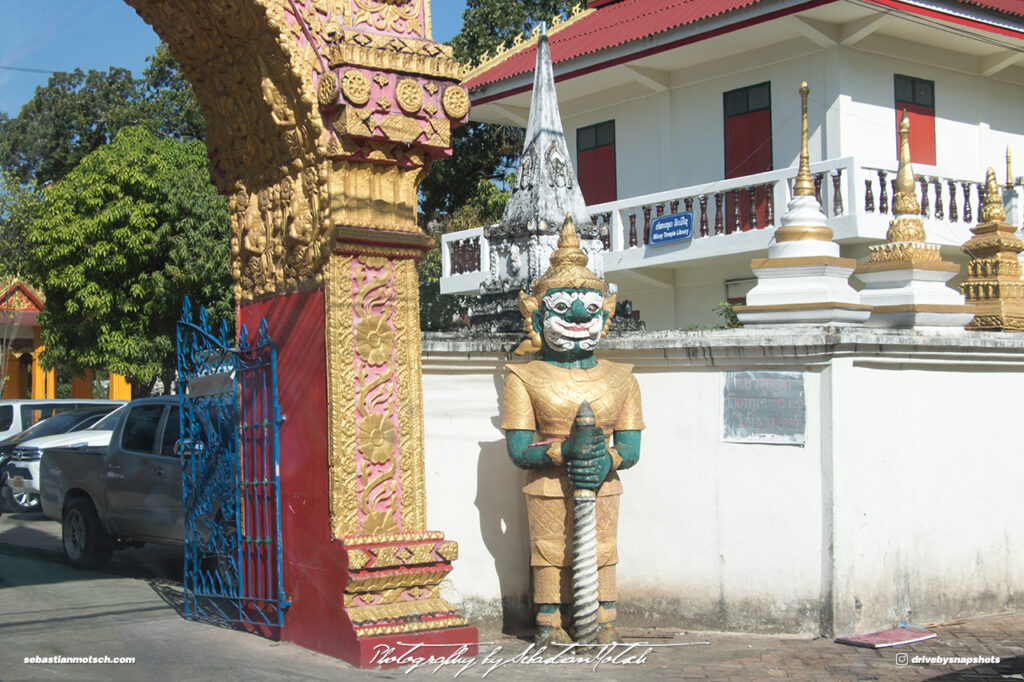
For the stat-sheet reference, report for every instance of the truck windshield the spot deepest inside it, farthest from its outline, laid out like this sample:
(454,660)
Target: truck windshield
(110,421)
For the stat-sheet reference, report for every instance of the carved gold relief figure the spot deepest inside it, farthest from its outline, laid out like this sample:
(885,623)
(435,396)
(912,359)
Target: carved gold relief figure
(565,318)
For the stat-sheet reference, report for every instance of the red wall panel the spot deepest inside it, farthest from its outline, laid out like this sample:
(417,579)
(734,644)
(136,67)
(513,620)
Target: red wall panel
(748,143)
(596,171)
(922,132)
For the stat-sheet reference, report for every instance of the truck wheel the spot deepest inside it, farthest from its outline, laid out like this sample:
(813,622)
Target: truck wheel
(19,502)
(86,544)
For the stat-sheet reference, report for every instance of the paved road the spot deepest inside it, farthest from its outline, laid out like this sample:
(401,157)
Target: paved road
(133,610)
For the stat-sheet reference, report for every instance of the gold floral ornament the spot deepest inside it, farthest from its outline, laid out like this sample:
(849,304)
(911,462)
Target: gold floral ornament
(374,340)
(377,438)
(379,523)
(456,101)
(356,87)
(409,95)
(398,16)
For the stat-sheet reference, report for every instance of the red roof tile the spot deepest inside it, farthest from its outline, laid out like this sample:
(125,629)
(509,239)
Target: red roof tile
(608,26)
(1015,7)
(623,21)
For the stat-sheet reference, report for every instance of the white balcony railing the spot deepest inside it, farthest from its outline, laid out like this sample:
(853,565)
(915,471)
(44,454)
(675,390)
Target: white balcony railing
(855,194)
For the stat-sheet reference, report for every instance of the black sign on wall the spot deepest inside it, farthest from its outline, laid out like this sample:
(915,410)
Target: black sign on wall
(764,407)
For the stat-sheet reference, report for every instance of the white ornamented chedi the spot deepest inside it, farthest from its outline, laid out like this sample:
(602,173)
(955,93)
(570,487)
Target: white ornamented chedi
(545,189)
(905,278)
(803,280)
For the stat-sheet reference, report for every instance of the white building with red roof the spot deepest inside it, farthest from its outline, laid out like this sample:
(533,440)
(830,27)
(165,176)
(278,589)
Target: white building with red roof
(692,105)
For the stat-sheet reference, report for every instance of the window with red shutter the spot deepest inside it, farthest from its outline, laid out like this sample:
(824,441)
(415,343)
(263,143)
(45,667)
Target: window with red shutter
(748,145)
(917,97)
(595,162)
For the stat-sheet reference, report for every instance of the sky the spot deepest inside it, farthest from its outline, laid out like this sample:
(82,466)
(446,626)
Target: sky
(41,36)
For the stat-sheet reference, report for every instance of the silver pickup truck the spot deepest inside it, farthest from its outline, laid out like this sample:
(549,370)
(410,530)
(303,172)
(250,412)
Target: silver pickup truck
(125,494)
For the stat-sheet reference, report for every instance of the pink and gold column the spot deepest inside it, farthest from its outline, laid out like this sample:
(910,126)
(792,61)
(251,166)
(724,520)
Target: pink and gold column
(390,99)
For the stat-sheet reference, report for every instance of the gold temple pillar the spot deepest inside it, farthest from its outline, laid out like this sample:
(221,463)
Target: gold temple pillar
(43,381)
(119,388)
(81,387)
(17,379)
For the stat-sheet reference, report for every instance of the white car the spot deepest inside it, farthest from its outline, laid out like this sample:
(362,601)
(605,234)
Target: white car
(23,468)
(18,415)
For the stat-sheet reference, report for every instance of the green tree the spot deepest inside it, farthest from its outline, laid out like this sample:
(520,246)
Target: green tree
(119,242)
(77,112)
(73,114)
(19,203)
(167,99)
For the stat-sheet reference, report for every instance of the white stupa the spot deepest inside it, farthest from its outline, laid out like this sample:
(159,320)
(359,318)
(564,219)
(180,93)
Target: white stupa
(803,280)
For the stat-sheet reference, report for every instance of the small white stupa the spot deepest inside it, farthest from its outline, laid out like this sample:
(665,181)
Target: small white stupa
(905,278)
(803,280)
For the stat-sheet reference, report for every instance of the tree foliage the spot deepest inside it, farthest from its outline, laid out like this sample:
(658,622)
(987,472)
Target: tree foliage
(486,24)
(19,203)
(119,242)
(167,101)
(78,112)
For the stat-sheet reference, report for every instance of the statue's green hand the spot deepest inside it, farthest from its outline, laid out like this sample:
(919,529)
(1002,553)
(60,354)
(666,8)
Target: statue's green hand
(589,473)
(584,443)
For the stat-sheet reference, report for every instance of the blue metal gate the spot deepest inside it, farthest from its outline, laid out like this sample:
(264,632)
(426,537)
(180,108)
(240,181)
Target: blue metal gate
(229,425)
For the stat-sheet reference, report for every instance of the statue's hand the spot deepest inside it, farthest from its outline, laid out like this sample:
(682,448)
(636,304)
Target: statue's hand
(585,443)
(589,473)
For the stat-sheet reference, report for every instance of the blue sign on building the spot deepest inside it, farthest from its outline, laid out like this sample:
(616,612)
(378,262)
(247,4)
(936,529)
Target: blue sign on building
(672,228)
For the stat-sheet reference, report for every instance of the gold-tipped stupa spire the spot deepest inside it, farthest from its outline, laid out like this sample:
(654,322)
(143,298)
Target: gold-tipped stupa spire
(804,186)
(795,224)
(905,175)
(1009,170)
(992,210)
(907,226)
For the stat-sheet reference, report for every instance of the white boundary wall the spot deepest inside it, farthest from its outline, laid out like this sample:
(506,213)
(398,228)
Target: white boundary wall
(903,505)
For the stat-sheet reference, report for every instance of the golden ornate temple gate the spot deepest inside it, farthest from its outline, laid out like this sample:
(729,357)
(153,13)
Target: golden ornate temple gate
(324,116)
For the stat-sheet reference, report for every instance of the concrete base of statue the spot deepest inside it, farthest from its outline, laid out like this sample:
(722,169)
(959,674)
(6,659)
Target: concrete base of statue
(803,282)
(912,294)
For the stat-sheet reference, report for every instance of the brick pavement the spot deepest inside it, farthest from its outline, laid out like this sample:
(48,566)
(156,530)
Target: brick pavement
(733,657)
(999,636)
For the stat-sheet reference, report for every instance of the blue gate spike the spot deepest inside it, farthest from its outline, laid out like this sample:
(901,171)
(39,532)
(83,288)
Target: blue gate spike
(224,333)
(233,562)
(204,320)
